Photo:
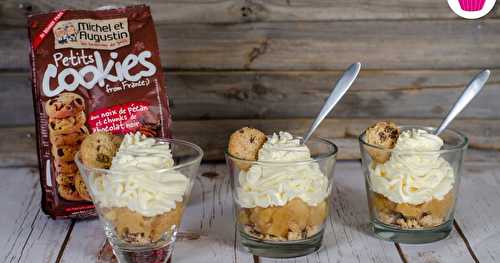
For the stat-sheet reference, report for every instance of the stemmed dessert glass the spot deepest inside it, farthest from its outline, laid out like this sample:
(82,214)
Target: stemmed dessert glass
(419,222)
(295,227)
(133,236)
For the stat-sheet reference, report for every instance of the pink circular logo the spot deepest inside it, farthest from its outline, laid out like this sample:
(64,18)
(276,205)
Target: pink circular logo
(471,9)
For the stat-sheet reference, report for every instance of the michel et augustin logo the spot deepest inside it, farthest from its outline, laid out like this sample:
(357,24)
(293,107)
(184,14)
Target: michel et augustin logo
(106,34)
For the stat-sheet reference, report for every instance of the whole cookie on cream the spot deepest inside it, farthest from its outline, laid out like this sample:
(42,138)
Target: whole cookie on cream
(382,134)
(245,144)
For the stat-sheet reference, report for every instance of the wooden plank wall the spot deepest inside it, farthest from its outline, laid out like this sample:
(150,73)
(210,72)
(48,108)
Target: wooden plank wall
(271,63)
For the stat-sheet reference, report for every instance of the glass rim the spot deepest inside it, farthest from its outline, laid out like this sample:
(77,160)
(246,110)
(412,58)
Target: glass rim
(330,154)
(460,146)
(197,158)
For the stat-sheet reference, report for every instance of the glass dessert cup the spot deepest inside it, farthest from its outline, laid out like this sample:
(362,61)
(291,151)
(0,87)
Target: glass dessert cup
(138,237)
(293,227)
(429,216)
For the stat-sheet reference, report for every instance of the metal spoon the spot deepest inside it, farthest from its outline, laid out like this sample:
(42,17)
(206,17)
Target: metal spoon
(473,88)
(341,87)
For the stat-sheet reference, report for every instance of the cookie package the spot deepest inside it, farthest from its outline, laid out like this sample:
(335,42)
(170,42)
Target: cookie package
(92,70)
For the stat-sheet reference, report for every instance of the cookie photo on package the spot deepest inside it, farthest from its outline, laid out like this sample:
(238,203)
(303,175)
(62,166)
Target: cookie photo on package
(91,71)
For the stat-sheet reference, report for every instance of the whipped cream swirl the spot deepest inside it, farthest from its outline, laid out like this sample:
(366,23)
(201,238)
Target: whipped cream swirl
(140,178)
(275,183)
(414,174)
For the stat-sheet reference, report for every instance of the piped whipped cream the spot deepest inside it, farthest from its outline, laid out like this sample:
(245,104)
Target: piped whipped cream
(275,183)
(414,174)
(140,178)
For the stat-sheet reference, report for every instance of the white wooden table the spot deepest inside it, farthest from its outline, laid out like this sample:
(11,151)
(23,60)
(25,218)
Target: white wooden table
(27,235)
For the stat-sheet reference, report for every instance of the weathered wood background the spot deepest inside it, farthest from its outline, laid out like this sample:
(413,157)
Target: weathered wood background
(271,63)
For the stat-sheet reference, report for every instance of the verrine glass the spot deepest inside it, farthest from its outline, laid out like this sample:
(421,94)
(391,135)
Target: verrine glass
(136,234)
(412,196)
(281,207)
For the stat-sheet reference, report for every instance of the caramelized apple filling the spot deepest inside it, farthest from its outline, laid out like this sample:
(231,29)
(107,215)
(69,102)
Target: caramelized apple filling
(294,221)
(408,216)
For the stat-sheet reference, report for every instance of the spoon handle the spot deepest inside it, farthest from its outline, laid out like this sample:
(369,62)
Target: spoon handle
(473,88)
(341,87)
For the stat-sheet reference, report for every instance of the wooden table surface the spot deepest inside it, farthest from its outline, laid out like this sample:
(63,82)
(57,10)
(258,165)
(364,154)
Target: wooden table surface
(27,235)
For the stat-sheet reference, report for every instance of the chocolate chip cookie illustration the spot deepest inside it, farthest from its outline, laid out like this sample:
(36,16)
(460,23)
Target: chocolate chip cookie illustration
(65,105)
(98,149)
(67,125)
(74,138)
(65,178)
(81,188)
(65,166)
(67,130)
(68,188)
(245,143)
(383,134)
(64,153)
(68,192)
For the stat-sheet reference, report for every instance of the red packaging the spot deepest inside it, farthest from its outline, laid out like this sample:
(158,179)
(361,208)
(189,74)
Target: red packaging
(91,71)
